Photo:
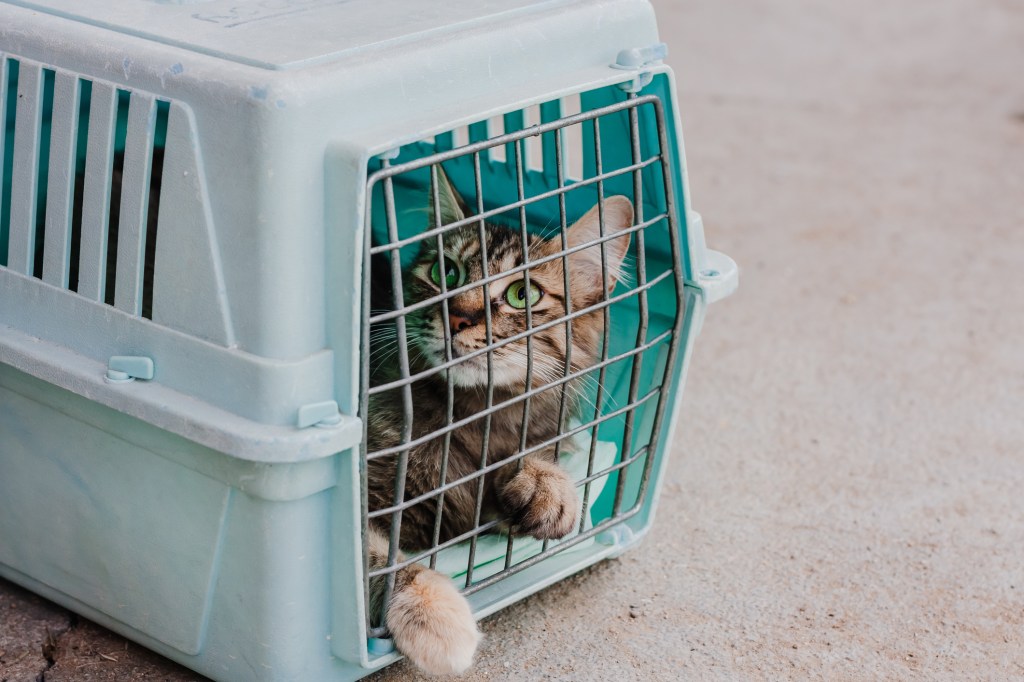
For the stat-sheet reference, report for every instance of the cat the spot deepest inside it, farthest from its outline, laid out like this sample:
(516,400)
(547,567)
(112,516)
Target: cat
(430,621)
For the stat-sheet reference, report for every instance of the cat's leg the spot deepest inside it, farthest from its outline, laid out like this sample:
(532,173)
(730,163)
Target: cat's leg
(429,620)
(541,499)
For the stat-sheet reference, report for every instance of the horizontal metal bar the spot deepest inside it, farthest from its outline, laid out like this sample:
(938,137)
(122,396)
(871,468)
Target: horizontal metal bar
(615,467)
(377,454)
(505,208)
(552,550)
(382,631)
(518,456)
(532,131)
(437,298)
(408,561)
(437,369)
(490,525)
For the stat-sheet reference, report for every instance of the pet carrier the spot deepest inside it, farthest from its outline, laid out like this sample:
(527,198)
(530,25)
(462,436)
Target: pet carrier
(200,202)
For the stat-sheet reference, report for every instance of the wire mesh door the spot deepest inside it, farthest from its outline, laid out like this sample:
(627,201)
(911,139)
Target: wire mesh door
(499,333)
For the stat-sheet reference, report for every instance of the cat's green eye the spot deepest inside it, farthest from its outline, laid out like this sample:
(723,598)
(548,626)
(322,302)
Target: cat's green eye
(517,295)
(452,273)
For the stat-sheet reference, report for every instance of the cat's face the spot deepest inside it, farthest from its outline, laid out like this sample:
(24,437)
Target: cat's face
(505,299)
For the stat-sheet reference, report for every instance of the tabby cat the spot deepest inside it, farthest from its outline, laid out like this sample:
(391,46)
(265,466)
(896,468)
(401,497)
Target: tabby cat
(430,621)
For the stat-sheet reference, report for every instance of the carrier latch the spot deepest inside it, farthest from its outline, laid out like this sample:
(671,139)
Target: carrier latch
(124,368)
(636,59)
(324,414)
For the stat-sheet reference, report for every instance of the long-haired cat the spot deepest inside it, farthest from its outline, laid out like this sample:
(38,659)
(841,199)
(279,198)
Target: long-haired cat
(431,623)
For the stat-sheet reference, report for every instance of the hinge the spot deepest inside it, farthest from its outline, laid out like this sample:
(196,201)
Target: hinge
(640,59)
(325,414)
(124,368)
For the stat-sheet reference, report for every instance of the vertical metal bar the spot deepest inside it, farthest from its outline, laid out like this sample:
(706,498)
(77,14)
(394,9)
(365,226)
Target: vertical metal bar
(135,180)
(61,180)
(401,468)
(563,223)
(22,236)
(606,337)
(99,157)
(450,389)
(677,326)
(490,367)
(641,334)
(524,235)
(364,401)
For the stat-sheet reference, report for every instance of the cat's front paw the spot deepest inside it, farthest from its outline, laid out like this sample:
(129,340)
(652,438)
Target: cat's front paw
(432,624)
(541,501)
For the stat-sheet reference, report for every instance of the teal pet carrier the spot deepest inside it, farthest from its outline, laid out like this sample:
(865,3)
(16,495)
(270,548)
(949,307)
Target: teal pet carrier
(199,202)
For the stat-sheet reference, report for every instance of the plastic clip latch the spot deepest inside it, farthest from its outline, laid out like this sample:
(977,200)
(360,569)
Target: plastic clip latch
(637,59)
(616,536)
(323,414)
(124,368)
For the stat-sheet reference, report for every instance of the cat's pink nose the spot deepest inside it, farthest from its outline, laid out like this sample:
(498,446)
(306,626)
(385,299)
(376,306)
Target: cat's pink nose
(458,322)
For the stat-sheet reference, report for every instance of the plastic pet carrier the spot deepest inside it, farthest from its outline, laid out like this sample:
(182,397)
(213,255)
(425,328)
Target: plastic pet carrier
(202,205)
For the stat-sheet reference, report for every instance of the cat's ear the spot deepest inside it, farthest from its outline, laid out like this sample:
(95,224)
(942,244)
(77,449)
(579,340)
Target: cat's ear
(618,216)
(451,205)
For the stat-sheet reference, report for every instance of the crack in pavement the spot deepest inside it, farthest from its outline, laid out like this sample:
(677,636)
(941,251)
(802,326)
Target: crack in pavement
(30,632)
(51,644)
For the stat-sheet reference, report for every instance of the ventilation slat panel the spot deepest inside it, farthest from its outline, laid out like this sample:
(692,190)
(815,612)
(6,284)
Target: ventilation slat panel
(21,252)
(131,240)
(96,197)
(61,180)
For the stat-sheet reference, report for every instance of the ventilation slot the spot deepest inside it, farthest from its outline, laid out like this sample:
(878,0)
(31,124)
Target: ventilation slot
(81,147)
(115,187)
(43,164)
(534,151)
(56,183)
(496,126)
(157,165)
(572,139)
(460,136)
(28,95)
(24,173)
(9,69)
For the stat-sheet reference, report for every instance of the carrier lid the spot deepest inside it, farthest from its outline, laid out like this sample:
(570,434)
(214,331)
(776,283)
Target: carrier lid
(282,34)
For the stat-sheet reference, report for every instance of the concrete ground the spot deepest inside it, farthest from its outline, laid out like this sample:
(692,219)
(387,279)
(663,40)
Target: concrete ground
(845,496)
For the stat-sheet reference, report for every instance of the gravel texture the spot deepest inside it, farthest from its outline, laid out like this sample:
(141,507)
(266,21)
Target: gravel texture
(844,498)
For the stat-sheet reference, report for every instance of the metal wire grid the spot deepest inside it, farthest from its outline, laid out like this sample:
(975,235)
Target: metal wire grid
(635,402)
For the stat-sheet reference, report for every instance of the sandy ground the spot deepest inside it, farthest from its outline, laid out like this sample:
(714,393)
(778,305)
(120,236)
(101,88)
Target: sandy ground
(845,497)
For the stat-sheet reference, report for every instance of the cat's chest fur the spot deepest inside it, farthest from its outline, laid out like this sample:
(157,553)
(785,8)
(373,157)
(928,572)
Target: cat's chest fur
(503,428)
(473,441)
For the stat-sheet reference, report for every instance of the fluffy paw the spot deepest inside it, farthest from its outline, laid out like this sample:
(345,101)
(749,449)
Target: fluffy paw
(432,624)
(541,501)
